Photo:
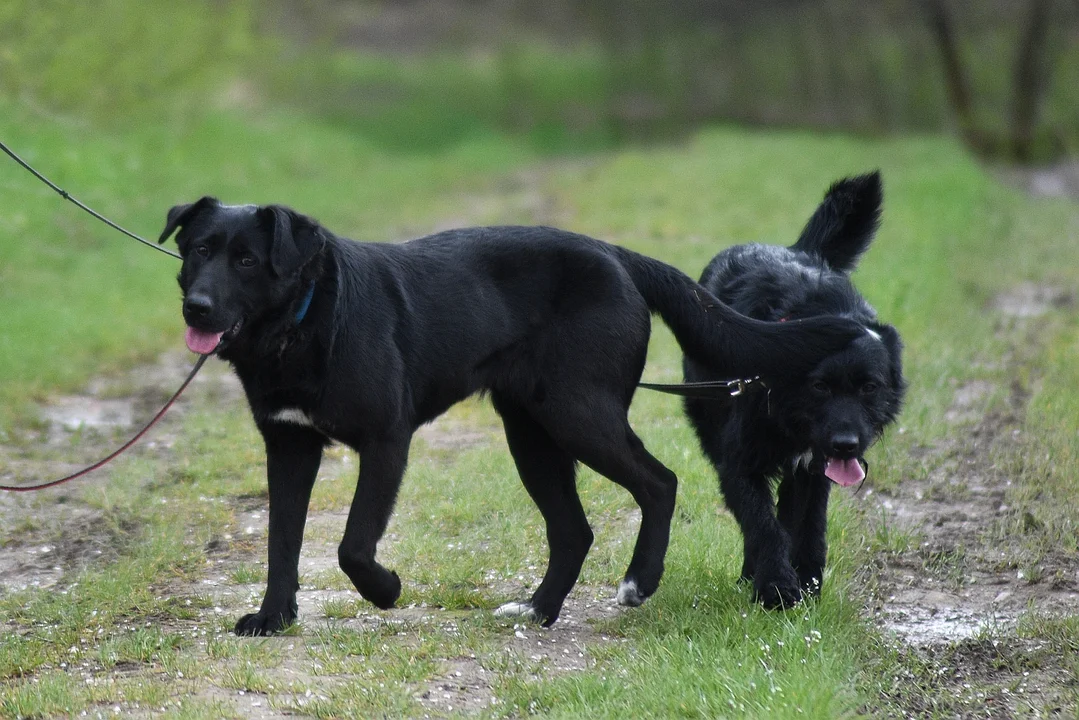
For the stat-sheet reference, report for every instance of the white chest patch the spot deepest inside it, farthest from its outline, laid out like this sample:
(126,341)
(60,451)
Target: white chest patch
(802,460)
(293,416)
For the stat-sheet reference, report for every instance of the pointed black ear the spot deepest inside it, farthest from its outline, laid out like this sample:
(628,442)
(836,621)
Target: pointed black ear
(180,215)
(845,222)
(296,238)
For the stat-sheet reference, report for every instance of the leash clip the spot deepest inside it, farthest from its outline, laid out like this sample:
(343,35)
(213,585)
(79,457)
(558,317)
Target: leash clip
(710,389)
(739,386)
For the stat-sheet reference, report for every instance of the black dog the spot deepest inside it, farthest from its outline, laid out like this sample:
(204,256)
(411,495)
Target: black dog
(811,430)
(364,342)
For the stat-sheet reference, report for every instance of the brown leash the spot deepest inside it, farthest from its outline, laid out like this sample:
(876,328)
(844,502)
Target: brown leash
(105,460)
(68,196)
(725,390)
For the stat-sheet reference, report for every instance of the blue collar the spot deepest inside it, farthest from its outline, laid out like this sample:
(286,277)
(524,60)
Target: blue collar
(306,303)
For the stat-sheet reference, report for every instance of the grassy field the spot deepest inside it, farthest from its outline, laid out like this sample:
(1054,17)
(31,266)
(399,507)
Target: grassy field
(125,586)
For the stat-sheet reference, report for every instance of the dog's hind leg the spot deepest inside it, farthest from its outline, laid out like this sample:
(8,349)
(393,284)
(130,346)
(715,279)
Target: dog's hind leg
(549,476)
(598,434)
(382,464)
(293,455)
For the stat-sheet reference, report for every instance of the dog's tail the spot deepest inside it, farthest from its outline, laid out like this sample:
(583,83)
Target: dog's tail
(843,225)
(728,342)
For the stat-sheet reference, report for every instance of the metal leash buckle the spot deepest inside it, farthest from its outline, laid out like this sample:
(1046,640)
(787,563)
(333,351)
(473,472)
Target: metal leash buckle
(741,385)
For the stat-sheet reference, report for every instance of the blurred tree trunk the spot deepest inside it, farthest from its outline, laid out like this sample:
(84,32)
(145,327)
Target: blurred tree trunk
(955,74)
(1032,75)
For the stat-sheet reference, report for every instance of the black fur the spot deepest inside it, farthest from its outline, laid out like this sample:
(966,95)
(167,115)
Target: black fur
(553,325)
(837,410)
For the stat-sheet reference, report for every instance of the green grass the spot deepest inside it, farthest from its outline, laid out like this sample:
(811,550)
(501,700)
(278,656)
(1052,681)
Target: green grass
(143,625)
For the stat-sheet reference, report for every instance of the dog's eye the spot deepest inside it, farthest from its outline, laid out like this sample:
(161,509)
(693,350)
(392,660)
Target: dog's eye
(202,250)
(248,261)
(820,387)
(869,388)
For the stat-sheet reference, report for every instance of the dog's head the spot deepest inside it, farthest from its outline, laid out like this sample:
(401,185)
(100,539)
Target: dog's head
(240,263)
(846,402)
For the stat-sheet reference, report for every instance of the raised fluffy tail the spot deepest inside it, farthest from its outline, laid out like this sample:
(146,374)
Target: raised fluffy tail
(728,342)
(843,225)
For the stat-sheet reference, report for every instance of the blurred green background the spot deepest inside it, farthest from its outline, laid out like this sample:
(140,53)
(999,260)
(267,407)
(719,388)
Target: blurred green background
(567,74)
(370,114)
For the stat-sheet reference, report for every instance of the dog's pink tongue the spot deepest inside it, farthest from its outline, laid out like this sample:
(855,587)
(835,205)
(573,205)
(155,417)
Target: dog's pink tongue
(201,342)
(844,472)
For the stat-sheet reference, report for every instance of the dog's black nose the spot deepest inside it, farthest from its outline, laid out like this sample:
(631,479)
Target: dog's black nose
(197,306)
(844,444)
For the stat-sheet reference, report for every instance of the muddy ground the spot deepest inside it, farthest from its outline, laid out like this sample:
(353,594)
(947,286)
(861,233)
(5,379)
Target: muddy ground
(955,597)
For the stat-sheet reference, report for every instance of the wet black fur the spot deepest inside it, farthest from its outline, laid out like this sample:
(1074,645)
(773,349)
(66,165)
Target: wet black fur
(839,409)
(554,326)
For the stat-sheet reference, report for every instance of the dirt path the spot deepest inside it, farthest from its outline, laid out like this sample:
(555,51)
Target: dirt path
(50,537)
(956,598)
(73,431)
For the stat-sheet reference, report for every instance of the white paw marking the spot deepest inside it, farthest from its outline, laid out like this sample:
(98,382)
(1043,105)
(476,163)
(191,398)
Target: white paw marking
(516,609)
(293,416)
(629,595)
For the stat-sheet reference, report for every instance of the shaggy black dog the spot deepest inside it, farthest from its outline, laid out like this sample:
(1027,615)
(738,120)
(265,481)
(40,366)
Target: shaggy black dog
(808,430)
(364,342)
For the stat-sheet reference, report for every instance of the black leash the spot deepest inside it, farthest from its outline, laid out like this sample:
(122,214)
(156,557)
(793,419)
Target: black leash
(125,446)
(865,469)
(709,389)
(160,413)
(67,196)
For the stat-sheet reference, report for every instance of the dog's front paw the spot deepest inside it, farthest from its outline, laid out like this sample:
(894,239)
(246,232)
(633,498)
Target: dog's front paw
(777,590)
(379,586)
(261,623)
(747,572)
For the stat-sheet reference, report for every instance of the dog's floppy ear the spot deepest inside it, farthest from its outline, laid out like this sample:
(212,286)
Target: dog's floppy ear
(890,337)
(180,215)
(296,238)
